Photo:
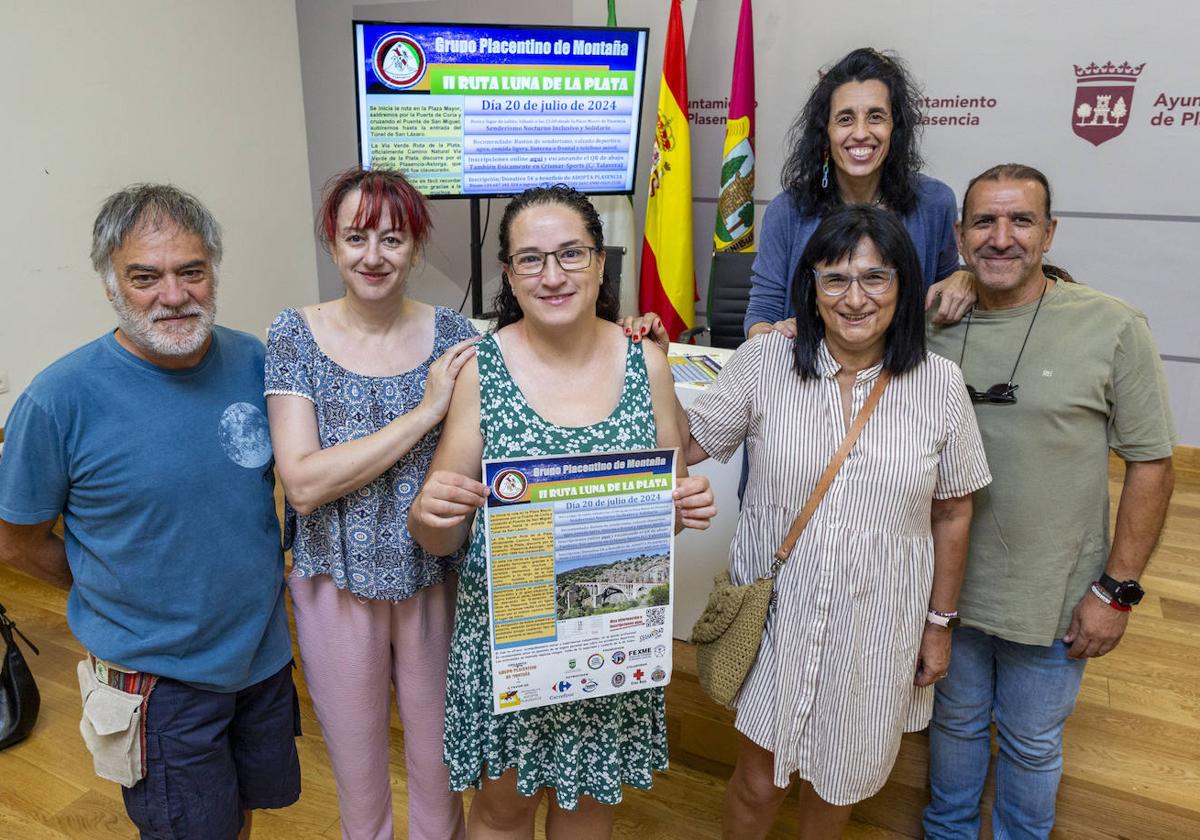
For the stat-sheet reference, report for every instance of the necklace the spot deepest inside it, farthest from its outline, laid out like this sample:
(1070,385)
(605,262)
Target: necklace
(877,201)
(1001,393)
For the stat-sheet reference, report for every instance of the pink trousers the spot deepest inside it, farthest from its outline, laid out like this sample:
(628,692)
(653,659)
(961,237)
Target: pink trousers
(353,652)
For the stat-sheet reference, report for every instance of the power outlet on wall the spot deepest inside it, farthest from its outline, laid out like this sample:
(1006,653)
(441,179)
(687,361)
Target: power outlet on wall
(3,382)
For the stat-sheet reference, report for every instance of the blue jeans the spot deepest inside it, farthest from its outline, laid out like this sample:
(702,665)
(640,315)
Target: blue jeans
(1030,691)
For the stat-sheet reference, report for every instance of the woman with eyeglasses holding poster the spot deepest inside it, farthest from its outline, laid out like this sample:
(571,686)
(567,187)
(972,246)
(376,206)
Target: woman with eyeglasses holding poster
(865,602)
(556,377)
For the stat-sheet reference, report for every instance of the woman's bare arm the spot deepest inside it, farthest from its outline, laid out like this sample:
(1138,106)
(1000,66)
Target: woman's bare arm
(313,476)
(441,515)
(694,505)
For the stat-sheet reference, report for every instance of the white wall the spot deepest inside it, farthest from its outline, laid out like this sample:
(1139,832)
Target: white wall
(99,95)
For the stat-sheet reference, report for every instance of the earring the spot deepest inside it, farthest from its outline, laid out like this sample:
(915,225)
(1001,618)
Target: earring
(825,170)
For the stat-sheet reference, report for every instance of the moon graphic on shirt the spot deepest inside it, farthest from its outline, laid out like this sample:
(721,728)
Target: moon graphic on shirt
(245,436)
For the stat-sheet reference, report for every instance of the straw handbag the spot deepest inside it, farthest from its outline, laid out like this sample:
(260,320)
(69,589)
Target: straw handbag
(730,630)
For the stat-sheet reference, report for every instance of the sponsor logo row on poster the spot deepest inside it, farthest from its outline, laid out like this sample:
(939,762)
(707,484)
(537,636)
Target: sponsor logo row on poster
(642,669)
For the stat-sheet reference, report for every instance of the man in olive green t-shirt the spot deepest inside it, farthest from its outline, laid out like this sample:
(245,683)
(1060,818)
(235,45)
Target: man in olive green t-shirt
(1060,374)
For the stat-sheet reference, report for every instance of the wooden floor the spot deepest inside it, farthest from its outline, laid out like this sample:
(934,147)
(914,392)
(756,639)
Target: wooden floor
(1132,756)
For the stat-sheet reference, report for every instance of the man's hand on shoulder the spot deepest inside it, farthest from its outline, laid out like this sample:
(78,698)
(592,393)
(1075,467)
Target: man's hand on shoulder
(954,296)
(1096,628)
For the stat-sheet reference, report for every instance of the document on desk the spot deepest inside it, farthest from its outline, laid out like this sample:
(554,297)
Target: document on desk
(693,370)
(579,575)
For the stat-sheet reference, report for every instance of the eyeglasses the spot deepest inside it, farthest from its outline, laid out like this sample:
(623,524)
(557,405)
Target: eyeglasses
(574,258)
(1001,393)
(873,281)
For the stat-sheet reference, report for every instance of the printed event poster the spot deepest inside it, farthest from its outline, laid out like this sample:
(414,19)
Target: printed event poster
(580,575)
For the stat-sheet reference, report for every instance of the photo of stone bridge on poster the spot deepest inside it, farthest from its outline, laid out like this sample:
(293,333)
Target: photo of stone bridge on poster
(642,581)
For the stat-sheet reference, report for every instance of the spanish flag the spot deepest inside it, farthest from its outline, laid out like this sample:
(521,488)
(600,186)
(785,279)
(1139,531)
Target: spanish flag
(735,207)
(668,281)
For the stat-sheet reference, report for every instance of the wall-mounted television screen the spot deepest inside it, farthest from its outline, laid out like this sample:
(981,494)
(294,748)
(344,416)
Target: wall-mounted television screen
(486,111)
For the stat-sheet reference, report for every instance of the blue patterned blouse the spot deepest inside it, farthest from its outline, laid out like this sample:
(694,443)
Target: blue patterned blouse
(361,539)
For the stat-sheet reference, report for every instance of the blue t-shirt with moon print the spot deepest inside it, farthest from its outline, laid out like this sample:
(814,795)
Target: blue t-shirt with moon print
(165,482)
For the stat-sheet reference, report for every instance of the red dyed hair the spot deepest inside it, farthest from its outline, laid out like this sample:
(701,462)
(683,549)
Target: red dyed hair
(382,191)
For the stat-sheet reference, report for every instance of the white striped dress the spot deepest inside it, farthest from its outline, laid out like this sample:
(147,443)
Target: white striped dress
(832,689)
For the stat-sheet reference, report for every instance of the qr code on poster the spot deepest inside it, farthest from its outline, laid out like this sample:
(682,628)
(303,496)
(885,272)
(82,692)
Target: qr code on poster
(656,616)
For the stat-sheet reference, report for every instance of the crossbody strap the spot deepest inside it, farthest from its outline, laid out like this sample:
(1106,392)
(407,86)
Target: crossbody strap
(826,479)
(7,625)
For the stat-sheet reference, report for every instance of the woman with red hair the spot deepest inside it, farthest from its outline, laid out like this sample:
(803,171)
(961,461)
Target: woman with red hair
(356,392)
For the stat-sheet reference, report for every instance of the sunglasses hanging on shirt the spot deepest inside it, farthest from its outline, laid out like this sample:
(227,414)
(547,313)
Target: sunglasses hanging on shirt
(1002,393)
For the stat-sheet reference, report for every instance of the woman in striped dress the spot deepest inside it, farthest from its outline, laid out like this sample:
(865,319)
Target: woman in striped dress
(860,628)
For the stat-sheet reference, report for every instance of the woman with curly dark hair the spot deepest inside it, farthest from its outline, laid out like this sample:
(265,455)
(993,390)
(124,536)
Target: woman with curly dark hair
(856,142)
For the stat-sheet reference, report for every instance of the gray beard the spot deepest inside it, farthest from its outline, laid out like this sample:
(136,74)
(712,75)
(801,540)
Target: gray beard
(158,340)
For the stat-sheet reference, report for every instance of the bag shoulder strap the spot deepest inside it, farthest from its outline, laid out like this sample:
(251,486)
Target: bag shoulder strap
(8,626)
(826,479)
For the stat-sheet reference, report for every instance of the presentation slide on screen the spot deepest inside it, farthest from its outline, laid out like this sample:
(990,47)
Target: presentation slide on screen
(490,110)
(579,566)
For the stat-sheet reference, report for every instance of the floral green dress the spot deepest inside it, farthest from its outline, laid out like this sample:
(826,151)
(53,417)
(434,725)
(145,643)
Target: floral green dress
(589,747)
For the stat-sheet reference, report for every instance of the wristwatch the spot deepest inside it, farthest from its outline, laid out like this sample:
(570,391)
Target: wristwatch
(949,620)
(1124,593)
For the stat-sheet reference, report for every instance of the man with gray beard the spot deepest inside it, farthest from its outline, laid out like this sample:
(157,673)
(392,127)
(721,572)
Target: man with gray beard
(151,442)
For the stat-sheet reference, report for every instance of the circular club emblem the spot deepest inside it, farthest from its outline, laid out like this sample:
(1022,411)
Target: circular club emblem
(398,60)
(658,674)
(595,661)
(509,485)
(618,657)
(618,679)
